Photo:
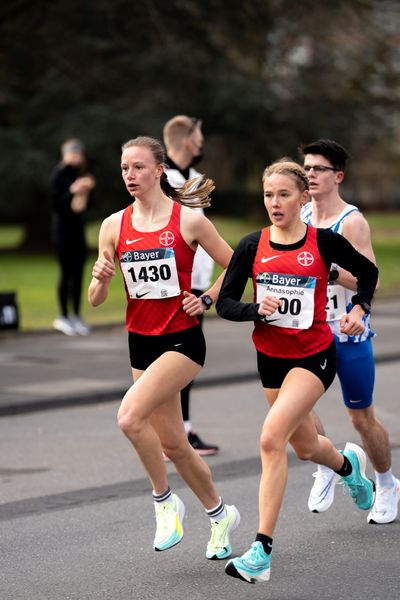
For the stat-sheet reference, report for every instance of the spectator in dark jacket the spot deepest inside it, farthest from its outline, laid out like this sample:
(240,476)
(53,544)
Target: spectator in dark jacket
(72,188)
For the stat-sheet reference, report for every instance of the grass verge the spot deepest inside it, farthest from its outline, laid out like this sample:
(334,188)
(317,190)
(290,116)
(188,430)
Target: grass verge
(34,277)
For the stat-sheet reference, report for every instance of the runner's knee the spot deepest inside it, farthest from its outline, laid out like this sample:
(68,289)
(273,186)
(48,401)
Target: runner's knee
(130,423)
(270,443)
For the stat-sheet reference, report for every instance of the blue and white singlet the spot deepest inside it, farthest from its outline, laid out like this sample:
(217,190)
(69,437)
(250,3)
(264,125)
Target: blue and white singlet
(339,297)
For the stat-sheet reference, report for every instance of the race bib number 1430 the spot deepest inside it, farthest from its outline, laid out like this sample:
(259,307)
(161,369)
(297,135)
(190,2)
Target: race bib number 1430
(150,274)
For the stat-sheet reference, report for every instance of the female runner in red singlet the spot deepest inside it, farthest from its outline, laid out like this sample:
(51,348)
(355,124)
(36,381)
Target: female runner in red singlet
(289,264)
(154,240)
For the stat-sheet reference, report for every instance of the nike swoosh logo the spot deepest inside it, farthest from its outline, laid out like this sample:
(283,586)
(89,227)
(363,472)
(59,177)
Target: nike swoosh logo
(133,241)
(264,260)
(355,401)
(176,345)
(269,320)
(141,295)
(323,366)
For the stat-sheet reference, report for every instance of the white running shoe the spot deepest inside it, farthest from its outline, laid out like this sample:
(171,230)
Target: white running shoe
(169,518)
(79,325)
(64,325)
(386,505)
(219,545)
(323,490)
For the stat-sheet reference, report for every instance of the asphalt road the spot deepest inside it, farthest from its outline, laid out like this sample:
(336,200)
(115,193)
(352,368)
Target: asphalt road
(76,516)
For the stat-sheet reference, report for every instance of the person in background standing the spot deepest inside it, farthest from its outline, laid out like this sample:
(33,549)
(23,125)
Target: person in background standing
(183,140)
(71,190)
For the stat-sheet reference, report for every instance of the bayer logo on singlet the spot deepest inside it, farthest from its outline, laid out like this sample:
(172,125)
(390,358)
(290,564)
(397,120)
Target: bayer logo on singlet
(305,258)
(167,238)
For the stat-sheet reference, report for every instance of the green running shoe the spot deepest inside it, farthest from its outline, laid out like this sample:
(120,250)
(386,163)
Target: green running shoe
(219,546)
(362,489)
(254,565)
(169,517)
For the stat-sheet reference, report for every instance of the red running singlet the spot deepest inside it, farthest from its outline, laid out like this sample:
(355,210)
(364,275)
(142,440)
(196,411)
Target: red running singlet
(298,328)
(157,268)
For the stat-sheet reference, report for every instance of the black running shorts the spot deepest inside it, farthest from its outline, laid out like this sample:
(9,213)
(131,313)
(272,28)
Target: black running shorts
(273,370)
(145,349)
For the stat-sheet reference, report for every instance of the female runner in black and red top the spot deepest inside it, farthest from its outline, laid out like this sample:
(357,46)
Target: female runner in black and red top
(289,263)
(155,239)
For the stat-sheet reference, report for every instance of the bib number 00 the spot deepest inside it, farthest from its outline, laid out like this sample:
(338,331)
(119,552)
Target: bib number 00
(293,306)
(296,293)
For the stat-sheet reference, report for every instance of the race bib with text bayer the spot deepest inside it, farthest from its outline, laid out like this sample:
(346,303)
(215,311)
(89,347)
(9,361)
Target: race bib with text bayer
(150,274)
(297,295)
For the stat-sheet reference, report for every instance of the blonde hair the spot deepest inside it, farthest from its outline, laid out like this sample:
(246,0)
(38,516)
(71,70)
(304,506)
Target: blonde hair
(287,166)
(177,129)
(195,193)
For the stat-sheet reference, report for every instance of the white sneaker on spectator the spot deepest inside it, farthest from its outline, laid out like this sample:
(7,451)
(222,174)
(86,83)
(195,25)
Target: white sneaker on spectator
(79,325)
(323,490)
(64,325)
(386,504)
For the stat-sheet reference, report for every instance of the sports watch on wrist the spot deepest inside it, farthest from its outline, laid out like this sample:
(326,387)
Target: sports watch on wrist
(207,301)
(365,306)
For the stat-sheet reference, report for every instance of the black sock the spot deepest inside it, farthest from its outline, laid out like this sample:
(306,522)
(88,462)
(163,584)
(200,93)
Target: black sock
(266,542)
(346,469)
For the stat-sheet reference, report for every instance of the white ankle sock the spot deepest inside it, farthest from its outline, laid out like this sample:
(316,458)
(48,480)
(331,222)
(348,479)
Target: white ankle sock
(218,512)
(385,480)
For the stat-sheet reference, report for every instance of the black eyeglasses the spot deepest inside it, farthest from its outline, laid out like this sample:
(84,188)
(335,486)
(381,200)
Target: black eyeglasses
(318,168)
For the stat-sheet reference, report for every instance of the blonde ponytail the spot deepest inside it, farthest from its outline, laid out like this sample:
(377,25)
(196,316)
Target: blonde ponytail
(195,192)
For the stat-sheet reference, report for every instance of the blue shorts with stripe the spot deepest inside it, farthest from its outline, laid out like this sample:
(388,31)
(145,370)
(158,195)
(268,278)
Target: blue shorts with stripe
(356,372)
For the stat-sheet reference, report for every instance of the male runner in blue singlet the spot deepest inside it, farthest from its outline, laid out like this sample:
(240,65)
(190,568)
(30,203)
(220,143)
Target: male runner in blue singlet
(325,163)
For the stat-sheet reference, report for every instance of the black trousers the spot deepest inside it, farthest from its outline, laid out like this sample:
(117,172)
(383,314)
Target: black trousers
(185,393)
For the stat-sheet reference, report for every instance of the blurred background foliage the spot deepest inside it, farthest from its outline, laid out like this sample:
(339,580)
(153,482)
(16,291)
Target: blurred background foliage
(263,75)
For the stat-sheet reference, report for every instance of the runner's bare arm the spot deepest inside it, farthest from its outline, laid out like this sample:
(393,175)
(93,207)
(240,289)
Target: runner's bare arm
(198,230)
(104,267)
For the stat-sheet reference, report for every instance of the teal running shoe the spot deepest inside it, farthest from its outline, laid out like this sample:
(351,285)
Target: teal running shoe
(169,518)
(362,489)
(254,565)
(219,546)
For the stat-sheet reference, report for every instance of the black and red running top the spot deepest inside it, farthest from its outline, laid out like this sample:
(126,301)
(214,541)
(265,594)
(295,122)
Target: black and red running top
(157,268)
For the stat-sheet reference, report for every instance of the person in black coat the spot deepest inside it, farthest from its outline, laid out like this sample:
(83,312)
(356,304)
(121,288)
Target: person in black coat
(71,189)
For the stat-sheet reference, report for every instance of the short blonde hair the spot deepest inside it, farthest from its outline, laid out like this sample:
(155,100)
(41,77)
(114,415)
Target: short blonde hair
(287,166)
(177,129)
